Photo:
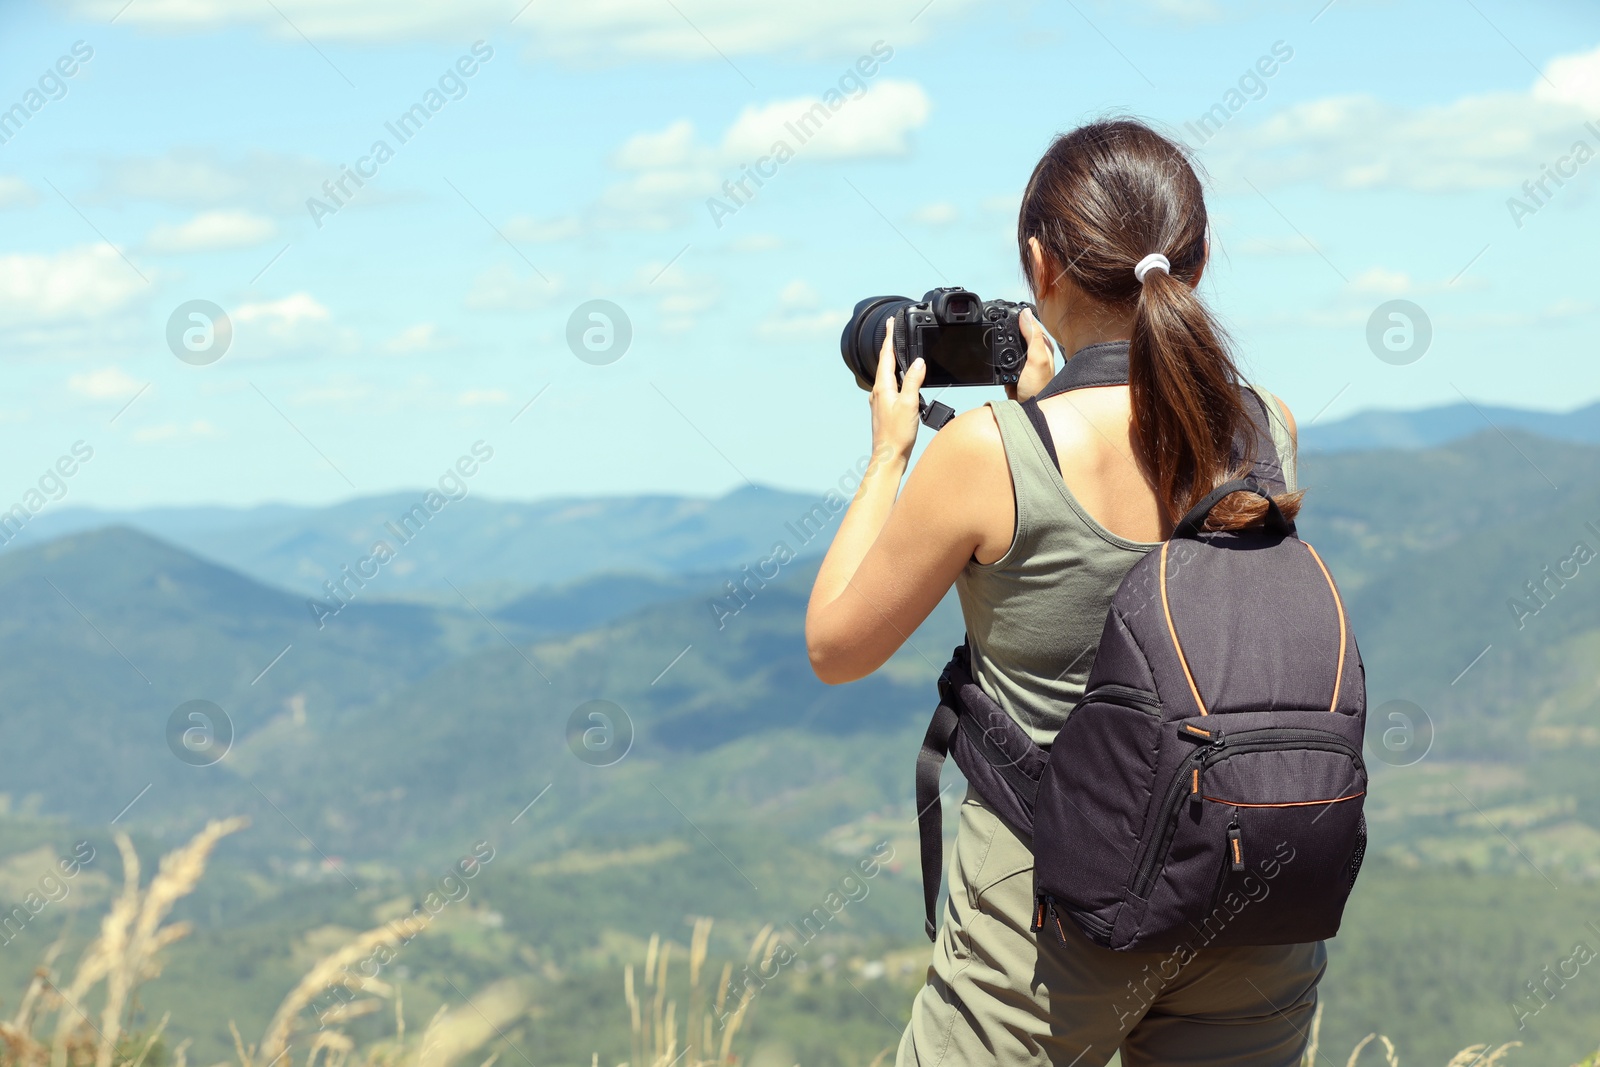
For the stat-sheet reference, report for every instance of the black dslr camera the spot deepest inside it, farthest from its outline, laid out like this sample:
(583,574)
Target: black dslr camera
(962,339)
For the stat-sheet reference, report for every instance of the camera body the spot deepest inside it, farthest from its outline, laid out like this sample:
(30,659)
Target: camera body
(962,339)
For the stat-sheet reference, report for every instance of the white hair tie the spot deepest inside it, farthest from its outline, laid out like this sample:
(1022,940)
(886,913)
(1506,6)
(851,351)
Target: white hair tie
(1154,261)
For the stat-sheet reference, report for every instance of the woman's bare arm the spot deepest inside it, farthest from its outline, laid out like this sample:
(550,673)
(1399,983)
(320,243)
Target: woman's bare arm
(893,560)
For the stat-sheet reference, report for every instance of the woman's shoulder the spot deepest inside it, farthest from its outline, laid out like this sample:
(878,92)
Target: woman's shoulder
(1288,416)
(1278,410)
(975,432)
(969,452)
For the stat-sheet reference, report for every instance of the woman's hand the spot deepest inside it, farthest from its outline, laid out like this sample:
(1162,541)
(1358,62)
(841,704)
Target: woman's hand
(895,417)
(1041,363)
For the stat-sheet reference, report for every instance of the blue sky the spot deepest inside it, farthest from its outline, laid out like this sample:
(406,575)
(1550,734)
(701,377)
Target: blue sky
(575,164)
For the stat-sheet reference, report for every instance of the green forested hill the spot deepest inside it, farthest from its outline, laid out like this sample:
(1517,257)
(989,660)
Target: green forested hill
(399,723)
(106,632)
(381,746)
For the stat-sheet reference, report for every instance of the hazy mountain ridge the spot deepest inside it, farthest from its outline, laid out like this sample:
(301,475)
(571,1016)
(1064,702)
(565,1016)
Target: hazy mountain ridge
(402,724)
(109,630)
(1432,427)
(496,550)
(491,549)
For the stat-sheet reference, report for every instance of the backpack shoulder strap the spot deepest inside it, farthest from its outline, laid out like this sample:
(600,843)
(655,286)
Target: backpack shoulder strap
(999,759)
(1031,408)
(1274,450)
(930,812)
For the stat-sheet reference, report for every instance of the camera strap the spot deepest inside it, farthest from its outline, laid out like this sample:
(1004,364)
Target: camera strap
(1092,366)
(934,414)
(1106,363)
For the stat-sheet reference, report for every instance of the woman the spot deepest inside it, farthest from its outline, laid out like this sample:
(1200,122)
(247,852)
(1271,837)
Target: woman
(1112,235)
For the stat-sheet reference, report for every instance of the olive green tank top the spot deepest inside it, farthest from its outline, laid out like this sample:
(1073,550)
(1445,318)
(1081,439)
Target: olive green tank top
(1034,615)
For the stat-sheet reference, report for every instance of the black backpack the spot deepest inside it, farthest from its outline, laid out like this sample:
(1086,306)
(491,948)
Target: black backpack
(1208,787)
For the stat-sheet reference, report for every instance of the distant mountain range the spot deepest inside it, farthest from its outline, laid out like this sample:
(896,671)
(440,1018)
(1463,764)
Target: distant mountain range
(399,724)
(491,550)
(495,551)
(1431,427)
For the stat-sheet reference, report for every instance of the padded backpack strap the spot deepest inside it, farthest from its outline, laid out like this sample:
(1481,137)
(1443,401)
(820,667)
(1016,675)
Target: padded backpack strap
(1030,407)
(1268,465)
(1002,764)
(930,812)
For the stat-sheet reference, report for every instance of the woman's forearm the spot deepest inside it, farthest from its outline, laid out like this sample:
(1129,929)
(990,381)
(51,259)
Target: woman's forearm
(895,405)
(863,520)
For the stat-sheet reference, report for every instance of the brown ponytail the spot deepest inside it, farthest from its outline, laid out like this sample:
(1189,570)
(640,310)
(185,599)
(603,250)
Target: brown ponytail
(1103,197)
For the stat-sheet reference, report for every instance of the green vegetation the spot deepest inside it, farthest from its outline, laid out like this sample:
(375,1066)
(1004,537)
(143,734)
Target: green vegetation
(382,749)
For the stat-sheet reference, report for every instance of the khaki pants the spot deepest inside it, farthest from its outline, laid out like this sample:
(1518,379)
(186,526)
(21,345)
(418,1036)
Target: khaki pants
(998,994)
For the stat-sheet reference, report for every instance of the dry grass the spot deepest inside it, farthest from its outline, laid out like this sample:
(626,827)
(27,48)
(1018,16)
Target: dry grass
(653,1019)
(54,1023)
(78,1021)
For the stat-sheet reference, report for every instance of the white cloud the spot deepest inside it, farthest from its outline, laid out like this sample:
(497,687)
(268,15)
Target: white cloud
(344,391)
(671,169)
(798,294)
(582,31)
(283,315)
(873,123)
(173,431)
(469,398)
(1377,281)
(671,147)
(1188,10)
(1266,246)
(14,192)
(297,326)
(805,326)
(1573,80)
(1486,141)
(1344,318)
(107,383)
(655,277)
(937,214)
(211,231)
(688,303)
(654,199)
(676,292)
(541,231)
(85,282)
(799,316)
(756,242)
(423,337)
(500,288)
(200,178)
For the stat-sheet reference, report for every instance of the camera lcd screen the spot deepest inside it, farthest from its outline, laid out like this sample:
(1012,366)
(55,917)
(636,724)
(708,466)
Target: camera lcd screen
(959,355)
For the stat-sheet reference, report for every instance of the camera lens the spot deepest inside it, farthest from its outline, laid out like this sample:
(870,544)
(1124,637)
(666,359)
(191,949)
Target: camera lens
(862,338)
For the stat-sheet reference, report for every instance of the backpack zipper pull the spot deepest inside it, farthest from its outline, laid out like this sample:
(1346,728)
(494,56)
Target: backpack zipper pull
(1061,931)
(1038,914)
(1194,784)
(1235,847)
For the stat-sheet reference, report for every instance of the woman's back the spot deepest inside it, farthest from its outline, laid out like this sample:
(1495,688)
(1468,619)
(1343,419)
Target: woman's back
(1034,615)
